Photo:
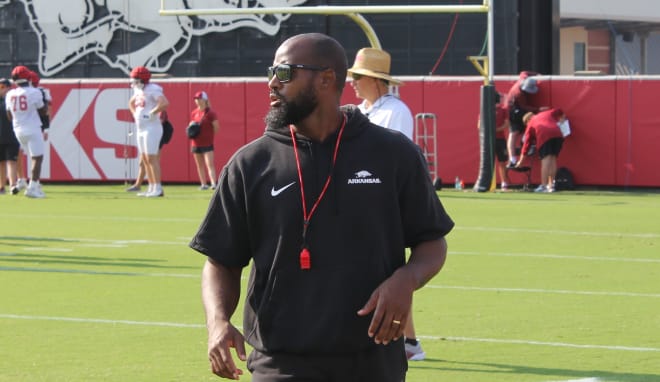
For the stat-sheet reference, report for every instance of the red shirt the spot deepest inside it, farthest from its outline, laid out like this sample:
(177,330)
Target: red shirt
(541,128)
(518,98)
(501,116)
(206,134)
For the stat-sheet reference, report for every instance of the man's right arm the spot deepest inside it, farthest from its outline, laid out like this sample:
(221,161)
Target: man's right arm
(131,105)
(221,289)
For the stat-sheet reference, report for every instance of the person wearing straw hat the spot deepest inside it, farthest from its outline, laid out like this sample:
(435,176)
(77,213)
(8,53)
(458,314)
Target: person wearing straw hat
(371,81)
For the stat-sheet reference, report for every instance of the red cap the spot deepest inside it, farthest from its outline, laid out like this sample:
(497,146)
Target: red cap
(34,78)
(201,95)
(141,73)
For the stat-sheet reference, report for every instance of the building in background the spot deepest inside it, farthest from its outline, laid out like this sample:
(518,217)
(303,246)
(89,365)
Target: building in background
(610,37)
(93,39)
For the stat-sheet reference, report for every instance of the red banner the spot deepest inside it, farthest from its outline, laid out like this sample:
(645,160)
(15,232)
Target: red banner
(614,122)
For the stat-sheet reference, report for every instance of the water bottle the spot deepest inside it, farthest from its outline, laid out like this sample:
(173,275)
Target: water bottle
(457,183)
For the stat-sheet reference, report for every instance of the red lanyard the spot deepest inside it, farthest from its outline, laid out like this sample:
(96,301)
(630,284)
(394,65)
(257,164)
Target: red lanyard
(305,260)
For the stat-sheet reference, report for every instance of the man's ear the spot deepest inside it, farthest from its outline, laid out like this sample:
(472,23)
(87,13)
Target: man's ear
(328,78)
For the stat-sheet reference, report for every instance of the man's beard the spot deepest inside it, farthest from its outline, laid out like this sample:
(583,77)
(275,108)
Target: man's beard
(292,112)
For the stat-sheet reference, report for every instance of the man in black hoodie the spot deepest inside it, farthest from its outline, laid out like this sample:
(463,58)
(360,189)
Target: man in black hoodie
(324,205)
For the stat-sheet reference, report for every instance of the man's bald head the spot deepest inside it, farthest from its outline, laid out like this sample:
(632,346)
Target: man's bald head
(323,51)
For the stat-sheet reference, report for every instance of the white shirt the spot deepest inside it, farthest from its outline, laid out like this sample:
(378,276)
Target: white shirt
(24,102)
(146,100)
(390,112)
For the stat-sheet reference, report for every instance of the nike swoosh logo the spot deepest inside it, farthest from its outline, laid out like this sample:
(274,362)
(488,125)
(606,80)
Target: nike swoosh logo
(274,192)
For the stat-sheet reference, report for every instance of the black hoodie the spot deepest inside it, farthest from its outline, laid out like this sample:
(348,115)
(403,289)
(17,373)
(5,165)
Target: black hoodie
(379,202)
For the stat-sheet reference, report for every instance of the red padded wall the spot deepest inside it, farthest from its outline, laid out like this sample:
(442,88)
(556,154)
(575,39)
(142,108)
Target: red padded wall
(615,123)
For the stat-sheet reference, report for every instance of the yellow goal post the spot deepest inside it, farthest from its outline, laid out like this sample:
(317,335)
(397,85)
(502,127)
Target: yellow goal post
(354,12)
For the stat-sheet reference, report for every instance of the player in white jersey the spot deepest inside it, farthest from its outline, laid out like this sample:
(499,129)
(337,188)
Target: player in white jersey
(45,125)
(24,106)
(146,104)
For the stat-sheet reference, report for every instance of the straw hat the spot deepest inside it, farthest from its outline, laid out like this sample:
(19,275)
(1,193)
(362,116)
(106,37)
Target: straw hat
(373,62)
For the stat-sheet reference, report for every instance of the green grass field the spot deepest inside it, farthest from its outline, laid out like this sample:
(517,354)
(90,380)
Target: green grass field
(99,285)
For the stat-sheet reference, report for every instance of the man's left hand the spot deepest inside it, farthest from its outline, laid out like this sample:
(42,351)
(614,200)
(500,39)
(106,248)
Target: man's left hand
(390,304)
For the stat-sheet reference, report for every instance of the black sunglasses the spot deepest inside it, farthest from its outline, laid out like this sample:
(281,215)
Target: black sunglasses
(284,72)
(356,76)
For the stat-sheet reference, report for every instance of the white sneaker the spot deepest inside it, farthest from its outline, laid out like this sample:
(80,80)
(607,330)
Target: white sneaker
(541,188)
(34,191)
(155,193)
(144,193)
(21,184)
(415,352)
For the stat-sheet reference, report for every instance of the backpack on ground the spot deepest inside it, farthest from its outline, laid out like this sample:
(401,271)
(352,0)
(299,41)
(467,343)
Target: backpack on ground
(564,180)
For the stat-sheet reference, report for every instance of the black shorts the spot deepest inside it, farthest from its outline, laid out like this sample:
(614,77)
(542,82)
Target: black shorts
(516,124)
(551,147)
(378,364)
(201,149)
(501,152)
(8,152)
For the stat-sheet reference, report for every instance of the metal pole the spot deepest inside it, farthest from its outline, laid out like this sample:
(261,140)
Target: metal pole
(366,28)
(354,12)
(491,40)
(329,10)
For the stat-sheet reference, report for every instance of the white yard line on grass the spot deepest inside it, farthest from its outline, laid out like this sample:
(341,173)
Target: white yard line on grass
(542,343)
(438,338)
(546,291)
(93,241)
(46,249)
(561,232)
(562,257)
(100,321)
(100,217)
(458,287)
(103,245)
(101,273)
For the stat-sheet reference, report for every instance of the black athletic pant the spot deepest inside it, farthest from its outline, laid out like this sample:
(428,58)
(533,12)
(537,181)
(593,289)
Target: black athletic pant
(378,364)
